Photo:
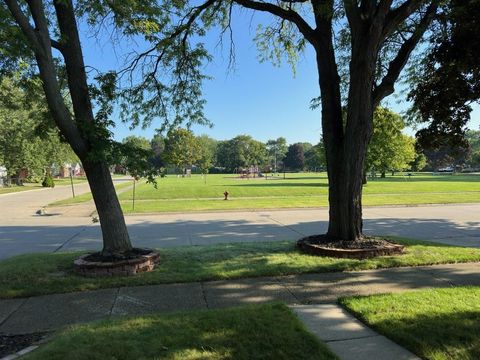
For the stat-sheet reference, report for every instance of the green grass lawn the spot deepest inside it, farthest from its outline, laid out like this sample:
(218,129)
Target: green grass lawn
(88,196)
(24,187)
(66,181)
(36,186)
(37,274)
(437,324)
(269,331)
(297,190)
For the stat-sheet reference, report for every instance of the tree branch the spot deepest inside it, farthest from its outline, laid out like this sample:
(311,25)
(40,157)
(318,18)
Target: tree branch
(289,15)
(386,87)
(57,45)
(353,14)
(23,22)
(398,15)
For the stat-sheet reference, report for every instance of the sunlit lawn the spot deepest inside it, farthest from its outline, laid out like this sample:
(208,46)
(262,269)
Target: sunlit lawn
(269,331)
(437,324)
(36,186)
(88,196)
(295,191)
(67,181)
(25,187)
(37,274)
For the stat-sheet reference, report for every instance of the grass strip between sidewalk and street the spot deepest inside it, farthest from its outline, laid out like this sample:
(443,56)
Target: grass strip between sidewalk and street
(268,331)
(435,324)
(40,274)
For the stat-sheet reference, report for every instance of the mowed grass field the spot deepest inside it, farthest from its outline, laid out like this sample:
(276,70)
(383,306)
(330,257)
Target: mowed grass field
(196,193)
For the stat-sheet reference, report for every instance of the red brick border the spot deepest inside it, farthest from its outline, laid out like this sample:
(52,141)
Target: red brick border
(315,249)
(143,263)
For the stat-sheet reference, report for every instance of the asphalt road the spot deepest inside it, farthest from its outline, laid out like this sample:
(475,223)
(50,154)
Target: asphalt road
(22,231)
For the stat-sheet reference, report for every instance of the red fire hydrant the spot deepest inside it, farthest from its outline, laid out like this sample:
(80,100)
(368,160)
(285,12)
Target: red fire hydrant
(226,195)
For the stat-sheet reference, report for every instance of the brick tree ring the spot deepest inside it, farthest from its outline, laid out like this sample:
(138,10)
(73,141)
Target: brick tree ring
(368,247)
(90,266)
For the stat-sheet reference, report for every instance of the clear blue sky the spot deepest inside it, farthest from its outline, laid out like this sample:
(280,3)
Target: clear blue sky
(256,98)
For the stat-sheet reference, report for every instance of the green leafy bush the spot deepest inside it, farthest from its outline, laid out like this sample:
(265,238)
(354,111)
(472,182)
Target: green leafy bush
(48,181)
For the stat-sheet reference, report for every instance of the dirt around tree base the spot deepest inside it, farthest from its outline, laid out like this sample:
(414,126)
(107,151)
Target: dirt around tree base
(98,265)
(10,344)
(367,247)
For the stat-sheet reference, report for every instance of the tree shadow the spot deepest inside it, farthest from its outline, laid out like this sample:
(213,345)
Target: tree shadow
(221,228)
(269,331)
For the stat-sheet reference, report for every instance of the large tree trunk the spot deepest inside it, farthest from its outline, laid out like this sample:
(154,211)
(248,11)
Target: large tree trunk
(80,132)
(346,142)
(116,240)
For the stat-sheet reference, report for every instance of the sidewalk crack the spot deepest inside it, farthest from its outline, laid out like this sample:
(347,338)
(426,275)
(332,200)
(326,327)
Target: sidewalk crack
(204,295)
(68,240)
(14,312)
(286,226)
(282,284)
(353,338)
(114,303)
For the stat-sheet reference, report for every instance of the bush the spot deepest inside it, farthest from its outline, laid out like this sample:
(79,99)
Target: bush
(48,181)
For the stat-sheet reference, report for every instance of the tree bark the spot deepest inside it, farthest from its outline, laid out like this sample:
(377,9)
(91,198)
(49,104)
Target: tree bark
(116,240)
(346,142)
(114,230)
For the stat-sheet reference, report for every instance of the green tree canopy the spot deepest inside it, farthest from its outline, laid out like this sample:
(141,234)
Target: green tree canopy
(315,157)
(23,144)
(181,148)
(295,158)
(448,80)
(157,145)
(240,152)
(277,150)
(389,148)
(136,153)
(207,148)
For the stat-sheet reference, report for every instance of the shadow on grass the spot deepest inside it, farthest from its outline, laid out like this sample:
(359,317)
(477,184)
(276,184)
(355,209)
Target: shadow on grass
(261,332)
(218,228)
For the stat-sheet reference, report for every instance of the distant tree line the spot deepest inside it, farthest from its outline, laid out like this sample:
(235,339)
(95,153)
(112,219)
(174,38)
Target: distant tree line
(390,150)
(180,149)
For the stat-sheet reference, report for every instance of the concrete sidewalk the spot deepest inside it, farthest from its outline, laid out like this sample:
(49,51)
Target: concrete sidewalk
(311,296)
(347,337)
(50,312)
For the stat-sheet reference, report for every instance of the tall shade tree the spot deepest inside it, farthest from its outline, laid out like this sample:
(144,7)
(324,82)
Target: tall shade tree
(45,34)
(181,148)
(295,158)
(136,156)
(448,80)
(240,152)
(389,149)
(207,147)
(374,37)
(315,157)
(157,145)
(277,149)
